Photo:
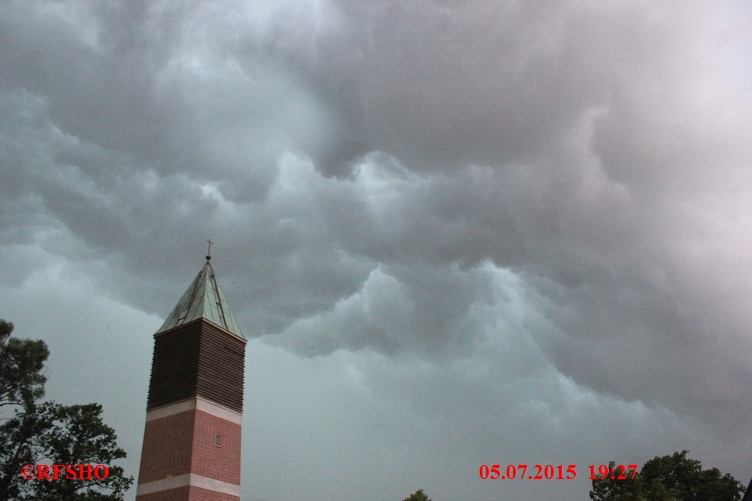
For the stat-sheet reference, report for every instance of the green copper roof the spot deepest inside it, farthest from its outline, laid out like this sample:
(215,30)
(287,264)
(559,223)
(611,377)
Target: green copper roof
(203,299)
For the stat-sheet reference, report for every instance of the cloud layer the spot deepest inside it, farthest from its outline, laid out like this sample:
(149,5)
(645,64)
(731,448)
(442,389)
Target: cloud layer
(464,214)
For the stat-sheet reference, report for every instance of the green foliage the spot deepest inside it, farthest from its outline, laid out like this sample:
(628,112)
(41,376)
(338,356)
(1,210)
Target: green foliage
(48,432)
(610,489)
(670,478)
(21,363)
(417,496)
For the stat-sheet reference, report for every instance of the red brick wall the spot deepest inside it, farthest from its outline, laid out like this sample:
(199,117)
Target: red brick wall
(167,447)
(221,463)
(186,443)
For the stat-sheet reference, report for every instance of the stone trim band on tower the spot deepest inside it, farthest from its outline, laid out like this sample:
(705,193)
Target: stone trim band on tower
(197,403)
(189,479)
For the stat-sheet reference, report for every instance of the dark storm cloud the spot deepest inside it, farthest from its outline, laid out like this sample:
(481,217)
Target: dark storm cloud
(411,179)
(593,170)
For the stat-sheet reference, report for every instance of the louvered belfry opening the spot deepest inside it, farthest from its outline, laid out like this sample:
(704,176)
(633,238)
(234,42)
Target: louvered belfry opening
(197,359)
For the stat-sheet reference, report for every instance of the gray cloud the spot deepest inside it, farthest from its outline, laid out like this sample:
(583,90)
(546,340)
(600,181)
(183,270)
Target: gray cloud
(462,216)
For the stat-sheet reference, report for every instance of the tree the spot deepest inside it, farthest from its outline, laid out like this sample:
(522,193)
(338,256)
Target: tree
(610,489)
(417,496)
(49,432)
(670,478)
(21,363)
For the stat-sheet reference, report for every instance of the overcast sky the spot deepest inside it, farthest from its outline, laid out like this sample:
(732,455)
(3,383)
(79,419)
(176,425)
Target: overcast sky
(455,232)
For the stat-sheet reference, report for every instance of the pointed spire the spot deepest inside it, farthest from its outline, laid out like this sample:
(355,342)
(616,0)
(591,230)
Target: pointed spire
(203,299)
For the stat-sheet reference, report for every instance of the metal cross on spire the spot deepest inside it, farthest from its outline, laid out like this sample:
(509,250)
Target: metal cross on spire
(208,253)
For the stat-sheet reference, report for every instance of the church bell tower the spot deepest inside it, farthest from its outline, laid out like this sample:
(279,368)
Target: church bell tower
(191,449)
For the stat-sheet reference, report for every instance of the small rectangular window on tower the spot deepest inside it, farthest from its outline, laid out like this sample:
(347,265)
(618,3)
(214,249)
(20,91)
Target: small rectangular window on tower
(218,441)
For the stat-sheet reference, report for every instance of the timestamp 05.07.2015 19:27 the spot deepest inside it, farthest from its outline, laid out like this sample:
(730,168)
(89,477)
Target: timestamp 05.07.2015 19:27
(555,472)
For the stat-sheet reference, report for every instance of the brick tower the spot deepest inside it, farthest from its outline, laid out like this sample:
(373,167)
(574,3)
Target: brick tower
(191,446)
